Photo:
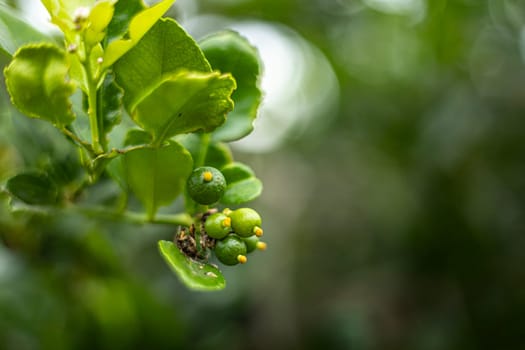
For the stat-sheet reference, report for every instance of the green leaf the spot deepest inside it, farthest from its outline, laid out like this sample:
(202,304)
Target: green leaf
(157,175)
(165,49)
(184,102)
(36,81)
(62,13)
(125,10)
(33,188)
(218,154)
(136,137)
(15,32)
(65,8)
(99,18)
(242,186)
(64,169)
(110,106)
(115,168)
(229,52)
(236,172)
(139,25)
(78,73)
(195,275)
(88,18)
(242,191)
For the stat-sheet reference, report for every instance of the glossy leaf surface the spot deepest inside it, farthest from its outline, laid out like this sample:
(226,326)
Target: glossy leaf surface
(185,102)
(242,186)
(98,20)
(195,275)
(139,25)
(36,79)
(229,52)
(157,175)
(125,10)
(165,49)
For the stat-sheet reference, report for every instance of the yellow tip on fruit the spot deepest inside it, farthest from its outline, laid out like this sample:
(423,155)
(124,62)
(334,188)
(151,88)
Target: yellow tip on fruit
(227,222)
(258,231)
(207,176)
(242,259)
(262,246)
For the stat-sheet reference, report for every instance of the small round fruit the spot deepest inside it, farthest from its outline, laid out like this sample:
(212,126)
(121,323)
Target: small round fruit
(218,225)
(251,243)
(231,250)
(246,222)
(206,185)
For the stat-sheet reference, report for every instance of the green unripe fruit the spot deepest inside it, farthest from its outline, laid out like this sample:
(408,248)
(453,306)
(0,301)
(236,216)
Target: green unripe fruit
(251,243)
(217,225)
(231,250)
(246,222)
(206,185)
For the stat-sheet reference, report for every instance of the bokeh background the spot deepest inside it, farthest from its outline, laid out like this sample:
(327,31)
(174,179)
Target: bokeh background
(391,144)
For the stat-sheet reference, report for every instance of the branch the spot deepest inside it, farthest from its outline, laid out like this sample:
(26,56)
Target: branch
(70,134)
(179,219)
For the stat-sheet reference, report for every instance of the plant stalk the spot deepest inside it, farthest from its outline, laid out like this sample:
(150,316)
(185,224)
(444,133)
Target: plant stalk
(182,219)
(205,143)
(93,109)
(70,134)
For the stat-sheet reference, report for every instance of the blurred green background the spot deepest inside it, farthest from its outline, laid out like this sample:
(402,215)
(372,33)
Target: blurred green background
(391,146)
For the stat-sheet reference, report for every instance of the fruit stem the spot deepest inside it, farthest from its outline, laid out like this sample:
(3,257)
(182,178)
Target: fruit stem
(205,143)
(199,235)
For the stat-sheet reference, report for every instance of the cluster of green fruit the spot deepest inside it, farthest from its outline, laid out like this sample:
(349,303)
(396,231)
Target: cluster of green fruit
(236,232)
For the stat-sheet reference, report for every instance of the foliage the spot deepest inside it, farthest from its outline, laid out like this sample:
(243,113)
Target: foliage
(129,59)
(394,209)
